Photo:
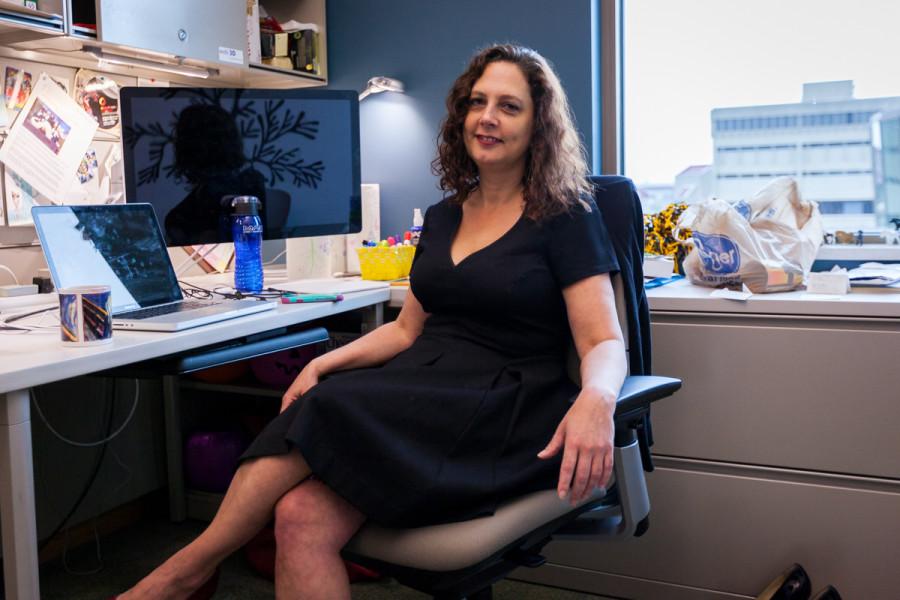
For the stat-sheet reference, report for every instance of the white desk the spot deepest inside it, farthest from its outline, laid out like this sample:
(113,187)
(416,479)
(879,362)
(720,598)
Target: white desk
(861,302)
(34,359)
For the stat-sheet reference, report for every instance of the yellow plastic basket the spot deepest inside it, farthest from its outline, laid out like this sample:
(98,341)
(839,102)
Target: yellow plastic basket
(385,262)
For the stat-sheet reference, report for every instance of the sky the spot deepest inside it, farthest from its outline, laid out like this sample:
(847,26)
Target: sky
(682,58)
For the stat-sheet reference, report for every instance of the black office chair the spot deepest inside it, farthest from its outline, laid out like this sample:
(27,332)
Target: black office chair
(462,560)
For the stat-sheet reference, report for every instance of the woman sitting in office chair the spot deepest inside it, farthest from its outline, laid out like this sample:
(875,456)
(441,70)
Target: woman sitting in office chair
(463,401)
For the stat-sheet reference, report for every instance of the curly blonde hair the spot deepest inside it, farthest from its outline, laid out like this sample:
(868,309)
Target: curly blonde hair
(556,166)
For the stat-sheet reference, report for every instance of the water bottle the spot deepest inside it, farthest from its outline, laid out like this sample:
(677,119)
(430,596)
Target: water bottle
(247,232)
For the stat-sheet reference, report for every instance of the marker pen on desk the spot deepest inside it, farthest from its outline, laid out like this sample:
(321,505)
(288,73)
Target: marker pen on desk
(304,298)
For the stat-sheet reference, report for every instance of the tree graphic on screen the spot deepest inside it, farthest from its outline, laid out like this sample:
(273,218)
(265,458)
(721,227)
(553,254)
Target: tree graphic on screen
(228,120)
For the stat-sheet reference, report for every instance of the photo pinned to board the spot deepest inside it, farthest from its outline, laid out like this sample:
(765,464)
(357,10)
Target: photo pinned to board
(87,170)
(20,197)
(47,126)
(16,88)
(98,95)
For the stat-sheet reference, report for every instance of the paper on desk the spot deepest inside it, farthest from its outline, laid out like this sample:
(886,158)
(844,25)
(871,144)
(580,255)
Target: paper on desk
(874,274)
(740,295)
(48,140)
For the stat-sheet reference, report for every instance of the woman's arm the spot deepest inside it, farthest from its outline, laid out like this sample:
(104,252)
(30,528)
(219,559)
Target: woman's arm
(586,432)
(374,348)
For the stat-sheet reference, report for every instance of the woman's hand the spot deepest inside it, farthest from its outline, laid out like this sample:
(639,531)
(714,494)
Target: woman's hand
(586,437)
(307,378)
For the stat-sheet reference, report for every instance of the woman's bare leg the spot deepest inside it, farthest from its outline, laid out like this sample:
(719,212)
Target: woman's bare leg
(247,507)
(312,524)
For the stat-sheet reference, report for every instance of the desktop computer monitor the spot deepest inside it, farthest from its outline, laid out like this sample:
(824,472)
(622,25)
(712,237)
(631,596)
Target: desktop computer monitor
(188,151)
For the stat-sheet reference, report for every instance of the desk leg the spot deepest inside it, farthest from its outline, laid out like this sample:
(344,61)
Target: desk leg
(373,318)
(174,443)
(20,562)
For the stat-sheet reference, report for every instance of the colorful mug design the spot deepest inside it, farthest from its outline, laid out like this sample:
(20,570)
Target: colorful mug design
(84,315)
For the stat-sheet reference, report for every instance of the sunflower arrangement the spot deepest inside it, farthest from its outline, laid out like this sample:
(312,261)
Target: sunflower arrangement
(660,233)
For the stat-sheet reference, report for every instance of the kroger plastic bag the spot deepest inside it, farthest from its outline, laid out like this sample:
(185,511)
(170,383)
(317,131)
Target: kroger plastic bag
(768,242)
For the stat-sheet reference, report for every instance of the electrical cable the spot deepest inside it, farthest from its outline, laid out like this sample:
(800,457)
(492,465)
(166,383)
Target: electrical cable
(277,256)
(10,271)
(29,314)
(94,472)
(201,293)
(109,437)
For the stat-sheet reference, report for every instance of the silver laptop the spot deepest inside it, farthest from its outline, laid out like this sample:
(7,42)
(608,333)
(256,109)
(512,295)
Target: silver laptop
(122,246)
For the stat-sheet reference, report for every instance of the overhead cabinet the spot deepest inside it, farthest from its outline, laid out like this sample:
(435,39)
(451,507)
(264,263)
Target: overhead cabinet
(206,30)
(20,24)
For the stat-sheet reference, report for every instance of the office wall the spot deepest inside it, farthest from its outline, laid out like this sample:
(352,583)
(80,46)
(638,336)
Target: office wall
(427,44)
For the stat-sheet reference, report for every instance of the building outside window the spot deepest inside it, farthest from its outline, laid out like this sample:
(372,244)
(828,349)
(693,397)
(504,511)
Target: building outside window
(722,96)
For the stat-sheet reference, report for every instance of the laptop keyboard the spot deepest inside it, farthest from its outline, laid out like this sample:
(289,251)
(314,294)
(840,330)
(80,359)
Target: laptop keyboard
(165,309)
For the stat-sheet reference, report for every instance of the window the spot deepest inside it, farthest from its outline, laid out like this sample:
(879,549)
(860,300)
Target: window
(720,97)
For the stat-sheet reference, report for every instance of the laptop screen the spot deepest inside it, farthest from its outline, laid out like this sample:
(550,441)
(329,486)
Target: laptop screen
(116,245)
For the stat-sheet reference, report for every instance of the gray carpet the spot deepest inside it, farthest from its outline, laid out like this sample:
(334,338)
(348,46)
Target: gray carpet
(130,554)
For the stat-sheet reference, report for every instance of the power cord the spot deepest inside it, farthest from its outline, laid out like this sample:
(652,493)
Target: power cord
(200,293)
(282,253)
(14,318)
(104,444)
(10,271)
(98,553)
(109,437)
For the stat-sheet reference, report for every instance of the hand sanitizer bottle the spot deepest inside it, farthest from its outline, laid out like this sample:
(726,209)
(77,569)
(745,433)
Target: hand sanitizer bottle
(416,229)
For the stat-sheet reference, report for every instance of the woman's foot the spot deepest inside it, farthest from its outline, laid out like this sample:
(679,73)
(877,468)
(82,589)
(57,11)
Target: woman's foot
(166,583)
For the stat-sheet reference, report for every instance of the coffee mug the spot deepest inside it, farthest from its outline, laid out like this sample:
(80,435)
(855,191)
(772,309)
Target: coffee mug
(84,315)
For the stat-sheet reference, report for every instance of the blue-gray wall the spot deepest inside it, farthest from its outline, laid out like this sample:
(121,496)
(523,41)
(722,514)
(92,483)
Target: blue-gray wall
(427,44)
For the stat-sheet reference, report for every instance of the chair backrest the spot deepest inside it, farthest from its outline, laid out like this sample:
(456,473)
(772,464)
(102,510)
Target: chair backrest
(572,361)
(622,214)
(620,207)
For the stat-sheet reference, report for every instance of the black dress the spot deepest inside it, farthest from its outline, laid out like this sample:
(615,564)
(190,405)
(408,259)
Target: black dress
(451,426)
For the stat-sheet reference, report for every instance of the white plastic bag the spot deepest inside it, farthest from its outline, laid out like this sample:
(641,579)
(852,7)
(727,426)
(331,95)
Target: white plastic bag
(768,243)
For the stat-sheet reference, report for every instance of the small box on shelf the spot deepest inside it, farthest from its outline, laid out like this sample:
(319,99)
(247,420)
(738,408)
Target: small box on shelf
(303,48)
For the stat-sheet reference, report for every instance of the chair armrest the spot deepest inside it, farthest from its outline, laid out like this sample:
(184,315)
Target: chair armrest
(639,391)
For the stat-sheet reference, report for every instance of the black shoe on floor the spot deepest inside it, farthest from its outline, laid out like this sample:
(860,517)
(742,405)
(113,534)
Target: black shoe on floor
(793,584)
(829,593)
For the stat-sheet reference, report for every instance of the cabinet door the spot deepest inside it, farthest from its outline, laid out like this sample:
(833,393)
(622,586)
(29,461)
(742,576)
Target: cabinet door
(715,535)
(210,30)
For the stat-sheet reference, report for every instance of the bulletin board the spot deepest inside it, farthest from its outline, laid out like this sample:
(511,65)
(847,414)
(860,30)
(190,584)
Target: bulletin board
(96,177)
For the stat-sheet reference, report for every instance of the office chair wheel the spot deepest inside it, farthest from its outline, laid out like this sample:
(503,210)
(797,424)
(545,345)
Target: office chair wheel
(642,526)
(793,584)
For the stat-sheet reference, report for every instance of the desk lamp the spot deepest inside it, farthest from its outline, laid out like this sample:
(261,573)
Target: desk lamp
(381,84)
